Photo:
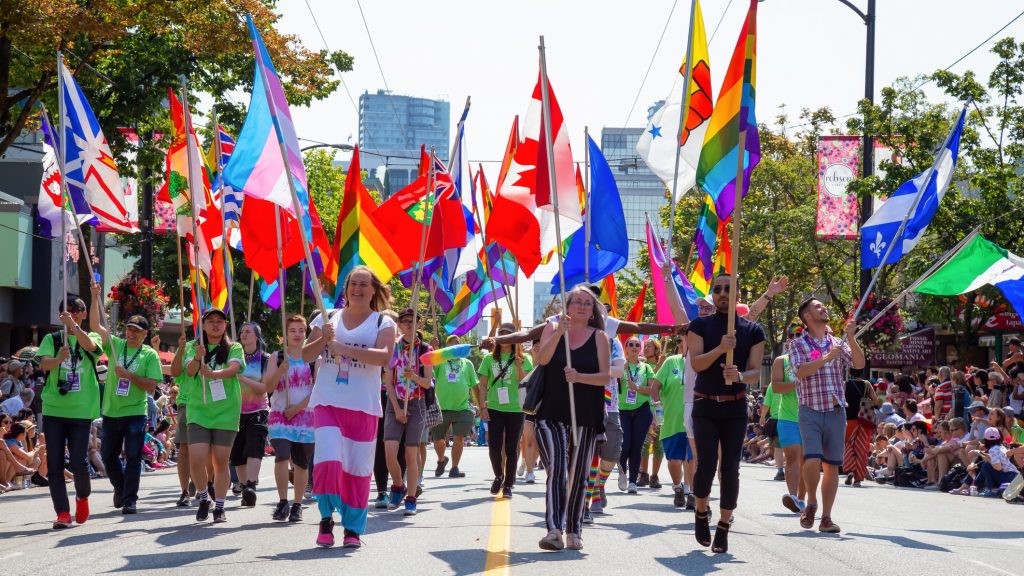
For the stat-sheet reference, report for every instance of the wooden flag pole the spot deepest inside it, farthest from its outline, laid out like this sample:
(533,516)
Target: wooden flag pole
(197,294)
(229,279)
(736,220)
(418,268)
(181,284)
(687,74)
(545,90)
(252,287)
(281,278)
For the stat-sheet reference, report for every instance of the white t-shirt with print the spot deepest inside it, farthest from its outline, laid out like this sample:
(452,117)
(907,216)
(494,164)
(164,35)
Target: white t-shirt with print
(358,384)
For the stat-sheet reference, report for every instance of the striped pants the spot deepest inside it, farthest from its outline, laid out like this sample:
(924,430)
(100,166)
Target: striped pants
(566,465)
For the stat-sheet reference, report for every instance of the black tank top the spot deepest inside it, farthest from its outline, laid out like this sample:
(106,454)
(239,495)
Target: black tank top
(589,399)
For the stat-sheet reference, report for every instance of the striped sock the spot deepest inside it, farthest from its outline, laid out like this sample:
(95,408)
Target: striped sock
(204,495)
(219,504)
(602,477)
(592,479)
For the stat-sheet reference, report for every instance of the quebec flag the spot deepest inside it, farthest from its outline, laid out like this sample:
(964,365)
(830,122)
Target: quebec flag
(881,229)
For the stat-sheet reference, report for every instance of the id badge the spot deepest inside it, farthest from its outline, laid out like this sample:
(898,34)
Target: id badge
(123,385)
(453,377)
(75,381)
(631,397)
(217,391)
(503,395)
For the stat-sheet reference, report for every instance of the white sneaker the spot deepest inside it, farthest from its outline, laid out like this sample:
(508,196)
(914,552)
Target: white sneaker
(623,482)
(522,469)
(530,478)
(632,488)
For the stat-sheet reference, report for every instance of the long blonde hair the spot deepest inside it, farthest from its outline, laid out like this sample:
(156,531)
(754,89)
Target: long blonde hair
(381,292)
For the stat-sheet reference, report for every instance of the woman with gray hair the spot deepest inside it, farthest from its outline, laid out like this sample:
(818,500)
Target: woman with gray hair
(566,452)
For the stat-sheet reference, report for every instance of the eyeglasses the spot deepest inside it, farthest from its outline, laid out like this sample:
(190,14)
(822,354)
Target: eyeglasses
(721,288)
(633,345)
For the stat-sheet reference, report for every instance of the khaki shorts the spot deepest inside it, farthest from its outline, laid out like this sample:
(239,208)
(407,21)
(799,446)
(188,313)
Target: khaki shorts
(199,435)
(460,422)
(181,432)
(413,428)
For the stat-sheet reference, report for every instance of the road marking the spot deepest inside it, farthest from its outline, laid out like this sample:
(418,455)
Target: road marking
(11,555)
(498,542)
(990,567)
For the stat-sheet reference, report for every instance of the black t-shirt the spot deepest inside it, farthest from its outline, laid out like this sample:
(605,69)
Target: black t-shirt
(711,329)
(855,390)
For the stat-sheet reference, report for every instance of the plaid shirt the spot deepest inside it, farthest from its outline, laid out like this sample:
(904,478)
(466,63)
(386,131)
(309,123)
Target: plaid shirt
(826,387)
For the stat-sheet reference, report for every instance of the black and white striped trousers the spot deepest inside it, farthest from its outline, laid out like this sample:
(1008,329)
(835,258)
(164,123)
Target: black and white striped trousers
(566,466)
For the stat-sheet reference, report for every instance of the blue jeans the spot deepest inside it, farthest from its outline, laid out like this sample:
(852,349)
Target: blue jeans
(128,432)
(991,479)
(635,424)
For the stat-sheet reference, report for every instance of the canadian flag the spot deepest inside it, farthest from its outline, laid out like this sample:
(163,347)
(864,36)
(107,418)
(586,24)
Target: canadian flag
(523,217)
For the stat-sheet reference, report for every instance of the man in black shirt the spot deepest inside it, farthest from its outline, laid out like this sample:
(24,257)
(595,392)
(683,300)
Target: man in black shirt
(720,406)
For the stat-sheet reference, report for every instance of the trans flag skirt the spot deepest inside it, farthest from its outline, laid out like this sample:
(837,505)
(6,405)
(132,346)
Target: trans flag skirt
(343,463)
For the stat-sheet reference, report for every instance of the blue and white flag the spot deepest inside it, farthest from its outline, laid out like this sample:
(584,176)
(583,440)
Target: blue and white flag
(880,230)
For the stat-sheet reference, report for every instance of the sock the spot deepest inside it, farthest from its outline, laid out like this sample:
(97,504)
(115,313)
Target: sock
(602,478)
(676,486)
(686,488)
(219,504)
(203,495)
(592,479)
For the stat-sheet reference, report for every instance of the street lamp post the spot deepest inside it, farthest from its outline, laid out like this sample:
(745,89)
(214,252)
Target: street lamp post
(868,168)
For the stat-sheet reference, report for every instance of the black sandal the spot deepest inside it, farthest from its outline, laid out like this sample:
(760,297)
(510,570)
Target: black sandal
(721,545)
(702,527)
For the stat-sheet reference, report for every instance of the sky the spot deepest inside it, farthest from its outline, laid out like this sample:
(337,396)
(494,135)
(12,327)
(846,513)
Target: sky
(810,53)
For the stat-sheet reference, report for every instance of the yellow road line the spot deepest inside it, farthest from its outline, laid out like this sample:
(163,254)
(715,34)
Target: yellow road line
(499,541)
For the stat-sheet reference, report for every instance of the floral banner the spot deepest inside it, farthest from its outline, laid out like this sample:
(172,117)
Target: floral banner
(838,210)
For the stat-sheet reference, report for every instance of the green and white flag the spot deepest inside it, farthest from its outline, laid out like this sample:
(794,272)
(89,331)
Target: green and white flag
(977,264)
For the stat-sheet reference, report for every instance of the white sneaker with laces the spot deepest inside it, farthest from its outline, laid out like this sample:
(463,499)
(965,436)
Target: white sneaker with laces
(623,482)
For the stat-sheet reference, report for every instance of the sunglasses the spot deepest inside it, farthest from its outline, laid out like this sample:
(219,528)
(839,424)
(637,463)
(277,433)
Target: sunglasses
(633,345)
(721,288)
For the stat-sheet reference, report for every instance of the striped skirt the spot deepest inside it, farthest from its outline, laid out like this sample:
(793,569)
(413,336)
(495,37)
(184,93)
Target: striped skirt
(858,447)
(343,463)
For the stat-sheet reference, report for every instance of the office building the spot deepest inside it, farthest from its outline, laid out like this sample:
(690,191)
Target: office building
(640,189)
(391,129)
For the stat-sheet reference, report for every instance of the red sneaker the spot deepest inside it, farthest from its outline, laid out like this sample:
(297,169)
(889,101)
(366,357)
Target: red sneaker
(63,521)
(81,510)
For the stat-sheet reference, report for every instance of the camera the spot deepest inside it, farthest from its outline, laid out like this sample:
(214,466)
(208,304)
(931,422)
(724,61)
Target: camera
(63,387)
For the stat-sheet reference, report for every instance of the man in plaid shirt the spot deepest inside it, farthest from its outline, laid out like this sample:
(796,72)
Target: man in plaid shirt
(820,361)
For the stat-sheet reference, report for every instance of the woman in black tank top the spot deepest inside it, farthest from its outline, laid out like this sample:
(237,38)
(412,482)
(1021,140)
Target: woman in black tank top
(566,452)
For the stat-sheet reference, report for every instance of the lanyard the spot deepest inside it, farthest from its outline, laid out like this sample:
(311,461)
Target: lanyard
(822,349)
(453,366)
(124,356)
(503,370)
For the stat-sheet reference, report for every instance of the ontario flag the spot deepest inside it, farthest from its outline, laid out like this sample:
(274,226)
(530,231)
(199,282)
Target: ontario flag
(523,217)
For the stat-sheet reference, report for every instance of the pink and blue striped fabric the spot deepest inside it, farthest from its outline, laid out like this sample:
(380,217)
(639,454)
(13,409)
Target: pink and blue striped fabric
(343,463)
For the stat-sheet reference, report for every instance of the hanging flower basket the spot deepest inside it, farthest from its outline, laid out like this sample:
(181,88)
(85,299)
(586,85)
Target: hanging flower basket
(884,334)
(137,295)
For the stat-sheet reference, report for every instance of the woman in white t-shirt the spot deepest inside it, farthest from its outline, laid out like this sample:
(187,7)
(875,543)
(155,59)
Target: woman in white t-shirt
(346,404)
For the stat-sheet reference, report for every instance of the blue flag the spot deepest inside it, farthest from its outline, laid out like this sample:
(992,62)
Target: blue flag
(609,245)
(880,230)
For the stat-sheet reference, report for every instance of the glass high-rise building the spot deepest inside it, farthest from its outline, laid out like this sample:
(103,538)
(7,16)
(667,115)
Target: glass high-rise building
(641,191)
(391,129)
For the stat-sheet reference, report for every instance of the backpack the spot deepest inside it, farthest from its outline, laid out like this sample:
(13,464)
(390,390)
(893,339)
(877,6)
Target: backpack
(954,478)
(913,476)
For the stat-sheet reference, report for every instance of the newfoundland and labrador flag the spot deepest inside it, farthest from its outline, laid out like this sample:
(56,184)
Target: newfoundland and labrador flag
(977,264)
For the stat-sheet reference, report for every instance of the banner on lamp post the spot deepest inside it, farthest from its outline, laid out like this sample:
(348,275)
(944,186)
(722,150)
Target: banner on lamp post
(838,209)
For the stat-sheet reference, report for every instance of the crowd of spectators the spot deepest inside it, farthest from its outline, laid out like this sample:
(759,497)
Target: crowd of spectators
(23,450)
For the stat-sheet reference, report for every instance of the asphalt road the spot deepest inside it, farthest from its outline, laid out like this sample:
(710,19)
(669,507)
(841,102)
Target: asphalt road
(461,529)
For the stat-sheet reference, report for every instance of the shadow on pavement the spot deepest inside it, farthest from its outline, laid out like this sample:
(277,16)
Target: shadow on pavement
(468,561)
(698,562)
(903,541)
(466,503)
(171,559)
(981,534)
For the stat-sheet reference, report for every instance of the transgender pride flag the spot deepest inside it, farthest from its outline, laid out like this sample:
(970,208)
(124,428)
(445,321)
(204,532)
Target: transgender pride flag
(256,167)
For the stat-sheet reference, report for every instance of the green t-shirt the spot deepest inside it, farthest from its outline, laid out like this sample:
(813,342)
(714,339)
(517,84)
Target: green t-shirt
(639,374)
(129,400)
(453,379)
(509,381)
(215,413)
(673,399)
(83,401)
(783,406)
(1017,432)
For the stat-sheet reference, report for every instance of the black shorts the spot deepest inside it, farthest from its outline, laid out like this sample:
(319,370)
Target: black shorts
(300,454)
(251,440)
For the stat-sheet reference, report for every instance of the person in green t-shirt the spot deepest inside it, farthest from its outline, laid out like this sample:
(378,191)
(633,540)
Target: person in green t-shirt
(782,403)
(454,380)
(500,374)
(71,401)
(136,373)
(668,384)
(210,379)
(634,412)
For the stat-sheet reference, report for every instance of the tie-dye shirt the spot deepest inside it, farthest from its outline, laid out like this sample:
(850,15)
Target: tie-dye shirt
(293,388)
(252,401)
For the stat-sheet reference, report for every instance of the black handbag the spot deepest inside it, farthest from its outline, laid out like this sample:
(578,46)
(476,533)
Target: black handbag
(534,384)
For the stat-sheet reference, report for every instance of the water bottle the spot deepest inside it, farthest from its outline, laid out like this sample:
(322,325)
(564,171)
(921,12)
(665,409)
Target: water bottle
(659,414)
(974,490)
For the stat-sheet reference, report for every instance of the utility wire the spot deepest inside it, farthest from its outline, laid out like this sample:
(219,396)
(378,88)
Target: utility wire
(321,32)
(650,64)
(398,120)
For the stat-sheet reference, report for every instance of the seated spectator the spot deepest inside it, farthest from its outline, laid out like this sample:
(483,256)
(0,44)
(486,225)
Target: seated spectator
(939,459)
(1017,426)
(11,469)
(910,411)
(997,420)
(15,404)
(13,381)
(95,458)
(994,468)
(19,439)
(996,389)
(979,422)
(888,414)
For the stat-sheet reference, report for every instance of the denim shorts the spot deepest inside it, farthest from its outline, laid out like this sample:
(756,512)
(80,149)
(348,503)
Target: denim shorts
(823,434)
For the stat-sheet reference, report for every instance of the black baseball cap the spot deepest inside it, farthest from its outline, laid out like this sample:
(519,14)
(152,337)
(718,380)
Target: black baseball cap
(137,321)
(212,311)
